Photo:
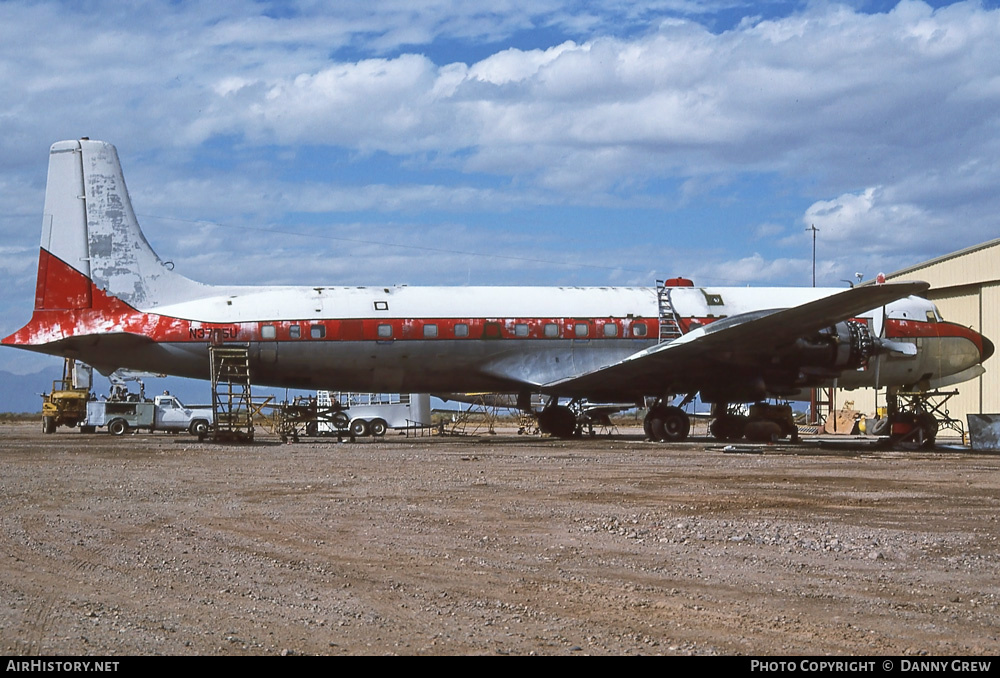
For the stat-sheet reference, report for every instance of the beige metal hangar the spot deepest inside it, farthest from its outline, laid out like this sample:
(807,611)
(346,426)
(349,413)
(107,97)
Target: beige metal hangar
(965,285)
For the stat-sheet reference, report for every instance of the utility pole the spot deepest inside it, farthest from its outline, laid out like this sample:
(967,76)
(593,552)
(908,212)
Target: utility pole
(813,405)
(812,227)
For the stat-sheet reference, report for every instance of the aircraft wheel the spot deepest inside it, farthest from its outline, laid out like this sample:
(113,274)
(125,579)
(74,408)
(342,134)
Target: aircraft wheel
(670,424)
(378,428)
(929,428)
(558,421)
(118,427)
(359,428)
(763,431)
(919,430)
(48,424)
(727,427)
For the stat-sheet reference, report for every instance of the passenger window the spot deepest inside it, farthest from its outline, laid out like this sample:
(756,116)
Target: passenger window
(430,331)
(317,331)
(461,330)
(638,330)
(582,330)
(520,330)
(385,331)
(610,330)
(551,330)
(294,332)
(267,332)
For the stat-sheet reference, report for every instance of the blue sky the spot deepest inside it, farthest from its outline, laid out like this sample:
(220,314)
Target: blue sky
(453,142)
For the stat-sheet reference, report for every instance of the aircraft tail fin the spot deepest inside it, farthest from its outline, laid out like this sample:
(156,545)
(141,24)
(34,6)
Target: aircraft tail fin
(91,240)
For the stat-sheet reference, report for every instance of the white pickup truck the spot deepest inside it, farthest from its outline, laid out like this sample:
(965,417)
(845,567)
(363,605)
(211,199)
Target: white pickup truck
(164,413)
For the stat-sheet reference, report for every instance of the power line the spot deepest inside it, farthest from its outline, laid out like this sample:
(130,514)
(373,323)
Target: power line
(423,248)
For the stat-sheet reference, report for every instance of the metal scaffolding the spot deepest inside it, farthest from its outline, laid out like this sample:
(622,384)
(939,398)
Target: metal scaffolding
(231,399)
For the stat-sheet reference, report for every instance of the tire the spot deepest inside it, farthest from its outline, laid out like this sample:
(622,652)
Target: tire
(341,420)
(763,431)
(359,428)
(199,427)
(118,427)
(669,424)
(929,428)
(921,433)
(558,421)
(48,425)
(676,424)
(727,427)
(378,428)
(880,427)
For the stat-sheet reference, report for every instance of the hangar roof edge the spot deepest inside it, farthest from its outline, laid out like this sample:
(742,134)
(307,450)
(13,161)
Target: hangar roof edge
(944,258)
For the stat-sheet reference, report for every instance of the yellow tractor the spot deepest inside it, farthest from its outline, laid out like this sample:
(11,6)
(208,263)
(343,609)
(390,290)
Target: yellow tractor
(66,405)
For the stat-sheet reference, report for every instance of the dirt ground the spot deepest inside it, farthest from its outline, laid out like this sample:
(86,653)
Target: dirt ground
(504,544)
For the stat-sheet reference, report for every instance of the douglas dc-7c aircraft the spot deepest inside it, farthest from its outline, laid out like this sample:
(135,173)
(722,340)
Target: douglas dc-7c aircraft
(104,297)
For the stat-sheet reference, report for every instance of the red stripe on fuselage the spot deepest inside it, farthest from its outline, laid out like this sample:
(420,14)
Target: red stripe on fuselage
(107,314)
(896,328)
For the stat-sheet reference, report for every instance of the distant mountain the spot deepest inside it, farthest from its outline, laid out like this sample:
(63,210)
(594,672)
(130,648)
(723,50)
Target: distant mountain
(21,392)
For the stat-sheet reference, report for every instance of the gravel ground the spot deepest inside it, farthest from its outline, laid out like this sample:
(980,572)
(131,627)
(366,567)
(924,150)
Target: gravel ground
(505,544)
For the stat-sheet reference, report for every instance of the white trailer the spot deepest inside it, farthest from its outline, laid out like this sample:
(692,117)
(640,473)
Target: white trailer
(375,413)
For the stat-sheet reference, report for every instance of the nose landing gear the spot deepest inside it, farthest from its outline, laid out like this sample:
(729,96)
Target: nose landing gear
(913,418)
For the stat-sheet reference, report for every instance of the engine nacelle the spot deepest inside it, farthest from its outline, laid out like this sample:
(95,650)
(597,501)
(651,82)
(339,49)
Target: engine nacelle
(806,363)
(848,345)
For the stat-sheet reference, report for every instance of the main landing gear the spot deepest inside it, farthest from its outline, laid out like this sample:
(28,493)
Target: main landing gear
(559,421)
(763,423)
(666,423)
(573,419)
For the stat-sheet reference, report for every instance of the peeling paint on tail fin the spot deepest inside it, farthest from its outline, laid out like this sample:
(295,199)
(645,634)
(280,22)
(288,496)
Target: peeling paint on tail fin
(89,225)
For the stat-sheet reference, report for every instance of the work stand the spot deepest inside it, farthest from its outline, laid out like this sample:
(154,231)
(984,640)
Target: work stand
(231,399)
(914,418)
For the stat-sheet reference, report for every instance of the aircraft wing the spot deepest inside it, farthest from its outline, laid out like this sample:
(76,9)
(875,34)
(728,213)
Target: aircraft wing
(727,347)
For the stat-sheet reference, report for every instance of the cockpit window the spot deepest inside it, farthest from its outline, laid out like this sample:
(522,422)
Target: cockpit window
(932,317)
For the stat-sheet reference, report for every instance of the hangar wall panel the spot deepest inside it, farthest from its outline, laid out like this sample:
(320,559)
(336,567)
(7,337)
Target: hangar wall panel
(991,328)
